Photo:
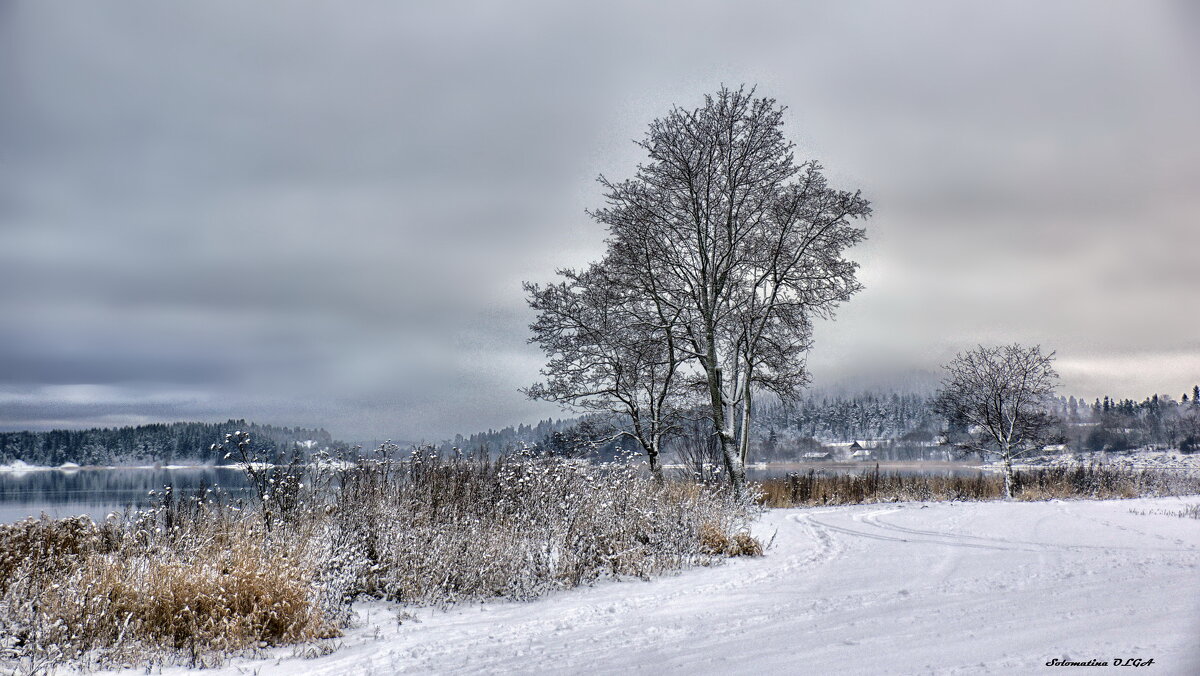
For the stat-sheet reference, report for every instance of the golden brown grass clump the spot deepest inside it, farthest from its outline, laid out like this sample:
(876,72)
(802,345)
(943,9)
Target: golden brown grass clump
(115,593)
(718,541)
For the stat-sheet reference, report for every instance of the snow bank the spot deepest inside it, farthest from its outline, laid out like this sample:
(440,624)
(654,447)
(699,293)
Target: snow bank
(333,465)
(21,466)
(941,588)
(255,466)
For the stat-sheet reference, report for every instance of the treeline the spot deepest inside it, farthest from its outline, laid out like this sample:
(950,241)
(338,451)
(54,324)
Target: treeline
(782,429)
(779,430)
(899,426)
(1158,421)
(847,418)
(163,443)
(512,439)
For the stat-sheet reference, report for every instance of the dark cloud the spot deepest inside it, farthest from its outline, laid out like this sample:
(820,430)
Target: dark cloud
(320,214)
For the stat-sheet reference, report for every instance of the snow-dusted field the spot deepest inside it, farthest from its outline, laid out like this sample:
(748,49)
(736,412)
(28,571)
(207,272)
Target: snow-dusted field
(943,588)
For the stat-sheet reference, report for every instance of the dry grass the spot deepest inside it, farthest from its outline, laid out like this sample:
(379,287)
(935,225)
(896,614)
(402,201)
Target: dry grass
(117,593)
(194,581)
(814,488)
(42,548)
(1093,482)
(1187,512)
(717,541)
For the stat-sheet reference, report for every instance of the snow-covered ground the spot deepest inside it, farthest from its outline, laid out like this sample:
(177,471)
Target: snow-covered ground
(941,588)
(20,466)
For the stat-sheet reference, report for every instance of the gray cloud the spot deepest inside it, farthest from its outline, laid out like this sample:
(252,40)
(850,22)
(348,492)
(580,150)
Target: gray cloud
(321,214)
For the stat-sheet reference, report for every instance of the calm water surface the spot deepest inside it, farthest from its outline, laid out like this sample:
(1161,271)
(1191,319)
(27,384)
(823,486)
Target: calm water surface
(98,491)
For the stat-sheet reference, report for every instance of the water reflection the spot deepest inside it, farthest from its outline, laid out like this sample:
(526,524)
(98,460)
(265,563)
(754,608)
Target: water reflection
(98,491)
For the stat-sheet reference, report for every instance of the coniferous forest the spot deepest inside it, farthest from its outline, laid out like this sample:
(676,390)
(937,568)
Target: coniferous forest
(164,443)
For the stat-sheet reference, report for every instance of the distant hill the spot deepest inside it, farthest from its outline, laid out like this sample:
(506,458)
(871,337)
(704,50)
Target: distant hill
(158,443)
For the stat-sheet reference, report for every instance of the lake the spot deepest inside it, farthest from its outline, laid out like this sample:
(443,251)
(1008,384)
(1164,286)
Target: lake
(97,491)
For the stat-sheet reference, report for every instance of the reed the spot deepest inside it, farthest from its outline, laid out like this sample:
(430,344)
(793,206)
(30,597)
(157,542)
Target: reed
(1090,481)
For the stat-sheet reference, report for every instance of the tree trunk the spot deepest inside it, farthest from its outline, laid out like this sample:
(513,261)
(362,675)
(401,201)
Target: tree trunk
(655,468)
(1008,478)
(729,453)
(744,440)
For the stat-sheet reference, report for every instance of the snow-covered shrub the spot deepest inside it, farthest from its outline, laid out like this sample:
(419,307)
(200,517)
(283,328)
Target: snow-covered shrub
(434,530)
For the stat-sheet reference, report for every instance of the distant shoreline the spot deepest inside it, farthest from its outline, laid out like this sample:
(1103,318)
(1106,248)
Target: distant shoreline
(21,467)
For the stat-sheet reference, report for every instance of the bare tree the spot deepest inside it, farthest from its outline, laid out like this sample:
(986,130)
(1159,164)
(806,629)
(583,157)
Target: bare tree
(608,351)
(1002,396)
(736,245)
(696,448)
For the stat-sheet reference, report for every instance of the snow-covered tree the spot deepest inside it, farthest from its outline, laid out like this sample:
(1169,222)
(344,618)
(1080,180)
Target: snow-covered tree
(1003,396)
(610,350)
(740,245)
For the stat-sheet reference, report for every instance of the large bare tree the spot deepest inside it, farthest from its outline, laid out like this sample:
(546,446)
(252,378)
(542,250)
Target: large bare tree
(738,245)
(1002,396)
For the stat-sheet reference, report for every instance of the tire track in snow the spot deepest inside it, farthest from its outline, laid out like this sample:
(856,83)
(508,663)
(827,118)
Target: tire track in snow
(889,534)
(827,548)
(966,540)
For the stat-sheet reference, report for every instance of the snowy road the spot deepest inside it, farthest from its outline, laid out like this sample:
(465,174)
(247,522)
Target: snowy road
(871,589)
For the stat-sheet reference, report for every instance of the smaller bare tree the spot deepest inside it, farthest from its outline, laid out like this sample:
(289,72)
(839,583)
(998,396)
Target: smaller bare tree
(1002,396)
(697,449)
(609,352)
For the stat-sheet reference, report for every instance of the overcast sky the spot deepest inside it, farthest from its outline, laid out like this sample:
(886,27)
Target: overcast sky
(321,213)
